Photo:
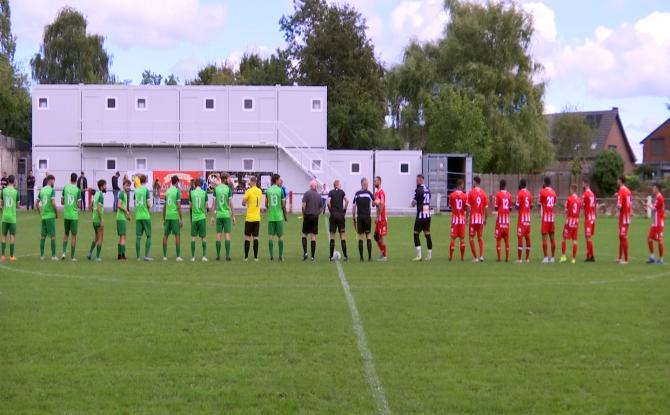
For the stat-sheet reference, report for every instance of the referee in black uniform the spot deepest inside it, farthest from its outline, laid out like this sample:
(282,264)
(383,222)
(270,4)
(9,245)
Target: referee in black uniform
(337,206)
(362,221)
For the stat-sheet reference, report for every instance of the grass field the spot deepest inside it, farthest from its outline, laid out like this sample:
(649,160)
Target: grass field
(267,338)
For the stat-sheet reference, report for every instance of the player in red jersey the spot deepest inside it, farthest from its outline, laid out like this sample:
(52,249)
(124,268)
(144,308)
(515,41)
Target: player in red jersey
(524,204)
(624,204)
(477,204)
(656,228)
(573,208)
(547,202)
(503,205)
(380,222)
(458,201)
(589,202)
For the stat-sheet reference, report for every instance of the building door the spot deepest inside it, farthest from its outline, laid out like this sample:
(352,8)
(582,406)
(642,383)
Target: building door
(22,172)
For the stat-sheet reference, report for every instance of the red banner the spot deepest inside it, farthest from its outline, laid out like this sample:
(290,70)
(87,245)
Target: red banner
(164,178)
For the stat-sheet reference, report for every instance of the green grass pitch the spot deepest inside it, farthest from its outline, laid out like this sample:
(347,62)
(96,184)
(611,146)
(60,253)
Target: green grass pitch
(273,338)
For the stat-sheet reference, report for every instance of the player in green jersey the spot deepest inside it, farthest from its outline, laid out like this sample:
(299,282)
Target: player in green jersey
(223,212)
(172,219)
(98,224)
(8,203)
(122,218)
(198,202)
(46,208)
(142,218)
(71,201)
(276,212)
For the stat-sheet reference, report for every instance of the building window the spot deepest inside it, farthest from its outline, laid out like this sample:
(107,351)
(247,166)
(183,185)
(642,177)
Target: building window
(43,103)
(404,168)
(248,104)
(141,104)
(111,103)
(209,164)
(110,164)
(316,105)
(43,164)
(612,146)
(355,168)
(140,164)
(315,165)
(658,146)
(210,104)
(248,164)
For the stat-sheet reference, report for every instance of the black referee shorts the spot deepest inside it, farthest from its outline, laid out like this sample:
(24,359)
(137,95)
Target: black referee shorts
(310,224)
(422,225)
(252,229)
(336,223)
(364,225)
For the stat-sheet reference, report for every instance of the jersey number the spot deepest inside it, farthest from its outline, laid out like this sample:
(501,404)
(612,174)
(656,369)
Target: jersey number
(70,200)
(505,204)
(551,201)
(8,202)
(273,200)
(459,204)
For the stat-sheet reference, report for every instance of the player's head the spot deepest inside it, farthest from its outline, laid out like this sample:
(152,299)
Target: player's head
(585,184)
(621,180)
(11,179)
(50,180)
(364,183)
(460,183)
(419,179)
(477,180)
(253,181)
(377,182)
(336,184)
(313,184)
(73,178)
(225,178)
(143,178)
(174,180)
(656,188)
(81,173)
(198,182)
(573,188)
(274,178)
(126,185)
(102,185)
(547,181)
(325,186)
(280,182)
(503,184)
(522,184)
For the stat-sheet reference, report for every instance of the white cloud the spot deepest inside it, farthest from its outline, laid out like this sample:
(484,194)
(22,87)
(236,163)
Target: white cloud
(544,20)
(128,23)
(421,20)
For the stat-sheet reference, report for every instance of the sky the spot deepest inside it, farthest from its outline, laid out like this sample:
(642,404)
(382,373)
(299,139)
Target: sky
(597,54)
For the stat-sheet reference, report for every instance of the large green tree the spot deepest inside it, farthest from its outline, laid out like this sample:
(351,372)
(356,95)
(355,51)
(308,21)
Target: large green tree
(607,167)
(255,70)
(213,74)
(69,55)
(572,137)
(151,78)
(330,47)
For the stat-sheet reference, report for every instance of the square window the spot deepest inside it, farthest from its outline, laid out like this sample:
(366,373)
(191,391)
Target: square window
(210,104)
(110,164)
(404,168)
(248,164)
(42,164)
(355,168)
(111,103)
(141,164)
(612,146)
(141,104)
(43,103)
(248,104)
(315,165)
(316,105)
(209,164)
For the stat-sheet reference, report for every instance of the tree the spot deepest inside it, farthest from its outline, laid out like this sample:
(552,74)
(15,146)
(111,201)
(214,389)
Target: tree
(330,47)
(213,74)
(7,39)
(572,137)
(171,80)
(68,55)
(255,70)
(150,78)
(607,167)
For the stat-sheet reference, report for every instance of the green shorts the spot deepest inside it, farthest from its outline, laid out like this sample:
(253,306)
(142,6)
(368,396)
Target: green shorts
(143,226)
(172,227)
(8,228)
(199,228)
(71,227)
(48,228)
(276,228)
(97,226)
(223,225)
(121,227)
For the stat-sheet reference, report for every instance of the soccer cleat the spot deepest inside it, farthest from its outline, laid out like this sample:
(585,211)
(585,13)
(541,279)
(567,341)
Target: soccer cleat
(55,258)
(192,259)
(475,260)
(228,259)
(246,259)
(304,257)
(660,261)
(98,259)
(382,259)
(528,261)
(481,259)
(651,260)
(255,259)
(280,259)
(179,259)
(563,259)
(148,259)
(622,262)
(417,259)
(519,261)
(2,258)
(204,259)
(552,260)
(573,261)
(164,258)
(73,259)
(42,258)
(62,258)
(312,259)
(12,258)
(429,256)
(545,260)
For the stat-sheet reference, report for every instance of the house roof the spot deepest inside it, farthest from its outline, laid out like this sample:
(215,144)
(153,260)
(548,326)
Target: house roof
(602,123)
(655,131)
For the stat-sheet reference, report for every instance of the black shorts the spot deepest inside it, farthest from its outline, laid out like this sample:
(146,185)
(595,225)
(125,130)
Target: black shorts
(422,225)
(252,228)
(310,224)
(363,225)
(336,222)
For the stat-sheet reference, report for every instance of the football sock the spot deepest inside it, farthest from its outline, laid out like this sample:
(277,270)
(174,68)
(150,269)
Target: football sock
(138,244)
(164,249)
(11,250)
(247,244)
(177,248)
(344,247)
(651,246)
(498,248)
(192,249)
(53,247)
(519,250)
(462,250)
(304,245)
(451,249)
(119,250)
(64,247)
(147,246)
(481,246)
(418,251)
(204,248)
(42,247)
(472,248)
(369,249)
(313,248)
(506,249)
(625,249)
(271,247)
(544,247)
(98,248)
(4,246)
(360,248)
(255,248)
(90,251)
(332,247)
(417,241)
(227,246)
(281,248)
(383,246)
(589,248)
(574,249)
(661,248)
(553,248)
(563,246)
(218,249)
(429,243)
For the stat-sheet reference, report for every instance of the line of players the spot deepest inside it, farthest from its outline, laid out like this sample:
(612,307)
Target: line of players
(470,208)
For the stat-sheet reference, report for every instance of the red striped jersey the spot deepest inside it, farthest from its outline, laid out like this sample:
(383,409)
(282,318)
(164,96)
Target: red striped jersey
(659,211)
(503,204)
(589,202)
(524,202)
(457,201)
(381,209)
(477,203)
(573,208)
(624,201)
(547,204)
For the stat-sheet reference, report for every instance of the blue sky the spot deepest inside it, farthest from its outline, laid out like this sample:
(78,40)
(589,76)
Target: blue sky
(597,54)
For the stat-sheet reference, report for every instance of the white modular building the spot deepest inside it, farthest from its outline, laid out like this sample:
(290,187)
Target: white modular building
(101,129)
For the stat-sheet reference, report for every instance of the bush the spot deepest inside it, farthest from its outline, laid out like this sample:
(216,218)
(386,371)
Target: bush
(633,182)
(607,167)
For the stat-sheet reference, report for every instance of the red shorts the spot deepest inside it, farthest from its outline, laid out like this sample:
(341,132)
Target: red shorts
(381,227)
(656,233)
(457,230)
(523,230)
(548,228)
(589,228)
(502,231)
(476,229)
(571,232)
(623,230)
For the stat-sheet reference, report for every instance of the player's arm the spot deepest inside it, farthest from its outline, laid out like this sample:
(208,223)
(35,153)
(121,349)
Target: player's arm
(267,201)
(53,204)
(304,205)
(245,198)
(232,208)
(148,201)
(346,204)
(164,208)
(283,209)
(99,208)
(353,211)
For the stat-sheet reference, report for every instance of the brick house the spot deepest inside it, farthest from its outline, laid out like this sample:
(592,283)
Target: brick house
(609,133)
(656,149)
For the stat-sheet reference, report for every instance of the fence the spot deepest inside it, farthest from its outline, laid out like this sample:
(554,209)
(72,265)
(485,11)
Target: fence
(560,182)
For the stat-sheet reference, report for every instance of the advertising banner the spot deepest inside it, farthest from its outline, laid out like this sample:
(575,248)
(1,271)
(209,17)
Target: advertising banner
(164,178)
(240,179)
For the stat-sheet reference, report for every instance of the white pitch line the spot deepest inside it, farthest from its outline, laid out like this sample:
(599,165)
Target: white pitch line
(362,343)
